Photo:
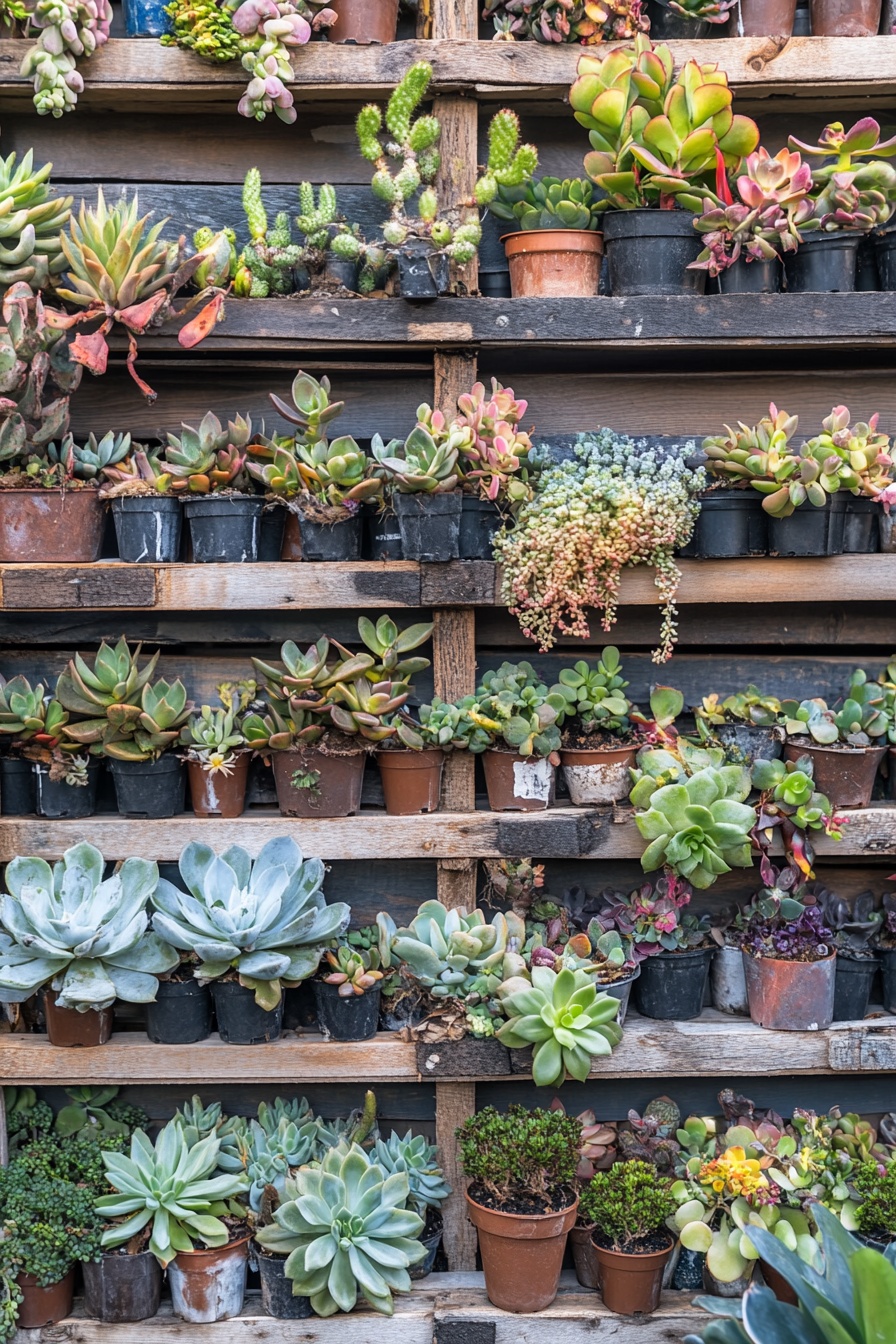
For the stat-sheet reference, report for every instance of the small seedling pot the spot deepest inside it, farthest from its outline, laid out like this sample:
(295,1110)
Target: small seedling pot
(522,1254)
(518,783)
(554,263)
(823,263)
(845,18)
(598,777)
(631,1282)
(620,990)
(430,525)
(331,541)
(845,775)
(763,18)
(145,18)
(50,526)
(423,273)
(224,528)
(150,788)
(809,530)
(668,25)
(382,535)
(672,985)
(148,528)
(55,798)
(365,22)
(215,794)
(277,1296)
(337,792)
(584,1257)
(412,780)
(44,1306)
(649,251)
(494,284)
(852,986)
(728,983)
(342,271)
(240,1020)
(181,1013)
(861,533)
(209,1285)
(753,742)
(790,995)
(347,1019)
(17,787)
(730,523)
(270,536)
(480,523)
(67,1027)
(751,277)
(121,1288)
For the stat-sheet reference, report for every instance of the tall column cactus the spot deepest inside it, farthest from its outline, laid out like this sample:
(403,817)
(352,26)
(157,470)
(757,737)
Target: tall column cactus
(270,257)
(412,147)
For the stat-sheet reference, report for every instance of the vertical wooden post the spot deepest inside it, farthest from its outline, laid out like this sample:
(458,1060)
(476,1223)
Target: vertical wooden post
(459,118)
(455,18)
(4,1132)
(454,1103)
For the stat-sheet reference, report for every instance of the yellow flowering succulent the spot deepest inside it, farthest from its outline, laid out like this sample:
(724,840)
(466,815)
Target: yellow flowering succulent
(733,1173)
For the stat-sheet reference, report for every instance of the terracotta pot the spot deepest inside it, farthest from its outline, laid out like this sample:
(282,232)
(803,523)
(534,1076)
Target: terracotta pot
(845,18)
(291,549)
(209,1285)
(337,792)
(365,22)
(44,1306)
(214,794)
(518,783)
(779,1285)
(845,775)
(584,1257)
(790,995)
(65,1026)
(596,777)
(631,1282)
(764,18)
(412,780)
(50,526)
(522,1254)
(554,263)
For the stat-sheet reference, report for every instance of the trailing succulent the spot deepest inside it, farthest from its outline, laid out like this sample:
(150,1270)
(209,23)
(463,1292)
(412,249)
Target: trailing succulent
(67,30)
(585,21)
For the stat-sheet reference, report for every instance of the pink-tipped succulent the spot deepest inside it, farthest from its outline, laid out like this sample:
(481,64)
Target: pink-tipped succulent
(854,188)
(764,223)
(269,29)
(498,452)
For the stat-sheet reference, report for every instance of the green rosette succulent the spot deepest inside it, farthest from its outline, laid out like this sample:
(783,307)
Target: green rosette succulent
(699,827)
(565,1017)
(449,952)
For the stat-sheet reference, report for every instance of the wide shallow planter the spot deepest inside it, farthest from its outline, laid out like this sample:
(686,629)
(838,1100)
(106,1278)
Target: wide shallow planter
(597,777)
(845,18)
(751,741)
(763,18)
(330,542)
(730,523)
(50,526)
(554,263)
(181,1013)
(365,22)
(522,1254)
(824,263)
(430,525)
(584,1257)
(55,798)
(728,982)
(412,780)
(216,794)
(631,1282)
(621,990)
(347,1019)
(431,1240)
(148,530)
(649,251)
(888,977)
(67,1027)
(277,1296)
(845,775)
(145,18)
(480,523)
(423,273)
(210,1285)
(790,995)
(122,1288)
(861,534)
(672,985)
(336,792)
(518,783)
(44,1306)
(240,1020)
(383,536)
(667,25)
(152,789)
(751,277)
(810,529)
(852,986)
(17,787)
(224,528)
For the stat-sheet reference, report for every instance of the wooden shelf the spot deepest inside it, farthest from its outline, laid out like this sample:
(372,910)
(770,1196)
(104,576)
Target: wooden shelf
(712,1045)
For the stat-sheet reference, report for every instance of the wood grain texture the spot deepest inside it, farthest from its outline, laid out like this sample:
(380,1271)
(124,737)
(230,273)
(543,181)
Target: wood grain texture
(455,1102)
(457,174)
(453,374)
(454,675)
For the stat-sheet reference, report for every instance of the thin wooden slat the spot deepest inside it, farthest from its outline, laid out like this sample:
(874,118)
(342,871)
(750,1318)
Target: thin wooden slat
(455,1103)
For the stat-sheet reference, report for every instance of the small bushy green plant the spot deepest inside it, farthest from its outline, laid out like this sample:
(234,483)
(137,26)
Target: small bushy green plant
(627,1203)
(520,1154)
(877,1190)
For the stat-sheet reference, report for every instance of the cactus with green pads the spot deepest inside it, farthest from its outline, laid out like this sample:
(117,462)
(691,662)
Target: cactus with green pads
(270,257)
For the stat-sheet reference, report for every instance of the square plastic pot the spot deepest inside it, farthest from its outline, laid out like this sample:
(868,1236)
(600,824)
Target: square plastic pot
(55,798)
(214,794)
(17,787)
(861,532)
(809,530)
(224,529)
(852,986)
(430,525)
(730,523)
(752,277)
(148,528)
(181,1013)
(354,1018)
(423,273)
(480,523)
(240,1020)
(823,263)
(382,535)
(153,789)
(329,542)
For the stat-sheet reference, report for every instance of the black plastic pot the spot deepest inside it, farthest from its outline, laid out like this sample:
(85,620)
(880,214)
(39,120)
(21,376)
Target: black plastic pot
(861,533)
(431,1240)
(809,530)
(888,978)
(17,787)
(240,1020)
(885,254)
(668,25)
(430,525)
(867,278)
(277,1297)
(122,1288)
(383,536)
(181,1013)
(148,528)
(823,264)
(730,523)
(224,528)
(300,1008)
(754,742)
(852,986)
(751,277)
(494,284)
(672,985)
(401,1010)
(649,251)
(802,22)
(349,1019)
(480,523)
(270,536)
(342,271)
(57,799)
(423,273)
(150,788)
(331,541)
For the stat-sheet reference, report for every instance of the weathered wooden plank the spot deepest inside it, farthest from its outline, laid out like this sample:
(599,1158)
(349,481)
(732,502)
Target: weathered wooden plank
(467,1058)
(454,675)
(455,1103)
(31,588)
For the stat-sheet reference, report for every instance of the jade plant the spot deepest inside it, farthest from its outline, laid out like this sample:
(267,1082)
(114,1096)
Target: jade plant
(564,1016)
(585,21)
(627,1204)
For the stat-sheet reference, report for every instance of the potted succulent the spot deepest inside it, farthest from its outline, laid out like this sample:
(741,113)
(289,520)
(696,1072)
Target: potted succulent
(147,514)
(523,718)
(597,753)
(217,753)
(628,1207)
(545,21)
(83,939)
(347,993)
(876,1215)
(557,249)
(687,19)
(63,782)
(425,475)
(497,463)
(257,927)
(419,1160)
(562,1014)
(522,1199)
(207,467)
(840,743)
(747,724)
(862,458)
(412,762)
(556,930)
(22,711)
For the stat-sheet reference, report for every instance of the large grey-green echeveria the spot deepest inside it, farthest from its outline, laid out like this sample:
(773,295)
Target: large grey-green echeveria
(87,938)
(451,953)
(698,828)
(266,920)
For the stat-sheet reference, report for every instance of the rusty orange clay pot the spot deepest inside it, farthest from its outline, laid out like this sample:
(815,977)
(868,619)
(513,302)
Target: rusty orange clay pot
(845,18)
(632,1282)
(763,18)
(365,22)
(209,1285)
(554,263)
(584,1257)
(518,783)
(790,995)
(845,775)
(214,794)
(522,1254)
(291,549)
(44,1306)
(55,526)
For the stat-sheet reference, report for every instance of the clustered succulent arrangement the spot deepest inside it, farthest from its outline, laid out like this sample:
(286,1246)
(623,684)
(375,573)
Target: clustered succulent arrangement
(585,21)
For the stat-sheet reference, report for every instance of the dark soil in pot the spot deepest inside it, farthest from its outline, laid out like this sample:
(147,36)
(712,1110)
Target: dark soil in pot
(518,783)
(649,251)
(751,277)
(824,263)
(181,1013)
(313,783)
(554,263)
(216,794)
(423,273)
(122,1288)
(750,741)
(50,526)
(17,787)
(431,1238)
(861,533)
(55,798)
(632,1281)
(405,1008)
(240,1020)
(270,536)
(852,986)
(365,22)
(150,788)
(687,1276)
(730,523)
(845,775)
(67,1027)
(412,780)
(331,541)
(763,18)
(522,1253)
(148,530)
(354,1018)
(672,985)
(224,528)
(480,523)
(383,537)
(44,1306)
(809,530)
(845,18)
(277,1297)
(667,25)
(790,995)
(430,525)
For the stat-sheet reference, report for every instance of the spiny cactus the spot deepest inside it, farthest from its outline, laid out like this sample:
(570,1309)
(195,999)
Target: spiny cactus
(315,217)
(270,258)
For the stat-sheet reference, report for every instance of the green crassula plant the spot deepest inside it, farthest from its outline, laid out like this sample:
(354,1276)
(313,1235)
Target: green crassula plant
(629,1202)
(548,203)
(520,1154)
